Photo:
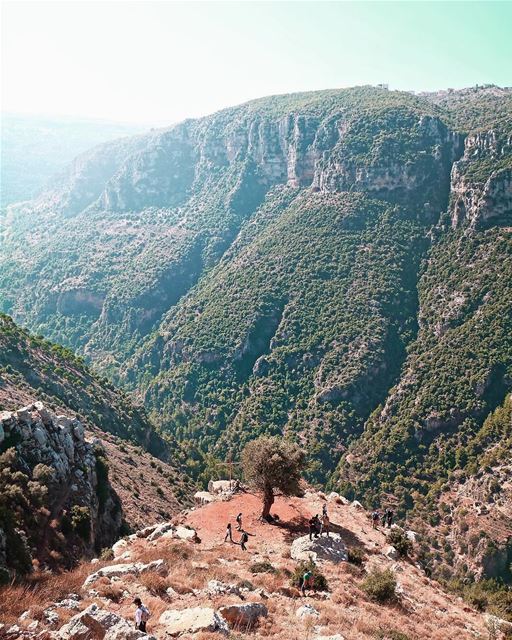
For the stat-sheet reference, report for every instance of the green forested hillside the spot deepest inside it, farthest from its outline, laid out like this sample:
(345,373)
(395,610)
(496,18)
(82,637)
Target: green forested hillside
(334,266)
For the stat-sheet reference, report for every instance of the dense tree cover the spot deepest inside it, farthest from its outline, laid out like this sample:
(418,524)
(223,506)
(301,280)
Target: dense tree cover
(287,267)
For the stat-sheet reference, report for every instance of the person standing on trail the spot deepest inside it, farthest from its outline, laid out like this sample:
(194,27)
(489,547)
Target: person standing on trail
(390,517)
(141,615)
(324,510)
(325,525)
(314,527)
(239,522)
(308,582)
(229,533)
(243,540)
(375,519)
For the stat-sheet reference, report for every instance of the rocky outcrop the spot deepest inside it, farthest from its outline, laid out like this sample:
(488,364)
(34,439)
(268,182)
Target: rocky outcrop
(481,182)
(48,457)
(134,569)
(243,616)
(99,624)
(189,621)
(325,548)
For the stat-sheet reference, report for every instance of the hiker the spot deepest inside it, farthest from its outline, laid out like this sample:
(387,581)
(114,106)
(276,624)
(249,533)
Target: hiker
(239,522)
(390,517)
(314,527)
(141,615)
(325,525)
(229,533)
(375,519)
(243,540)
(324,510)
(308,582)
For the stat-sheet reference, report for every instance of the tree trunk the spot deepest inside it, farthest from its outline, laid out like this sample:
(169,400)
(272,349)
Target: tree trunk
(268,501)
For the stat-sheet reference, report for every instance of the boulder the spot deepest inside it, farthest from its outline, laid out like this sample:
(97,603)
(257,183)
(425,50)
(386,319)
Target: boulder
(390,552)
(119,548)
(116,570)
(159,531)
(306,611)
(92,622)
(495,624)
(219,486)
(194,620)
(357,505)
(203,497)
(412,536)
(243,616)
(325,548)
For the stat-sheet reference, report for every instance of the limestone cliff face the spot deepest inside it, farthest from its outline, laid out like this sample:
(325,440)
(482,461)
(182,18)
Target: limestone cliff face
(481,182)
(330,154)
(68,503)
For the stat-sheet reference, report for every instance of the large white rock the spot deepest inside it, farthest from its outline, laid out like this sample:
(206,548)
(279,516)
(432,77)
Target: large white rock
(159,531)
(194,620)
(92,622)
(219,486)
(117,570)
(243,616)
(325,548)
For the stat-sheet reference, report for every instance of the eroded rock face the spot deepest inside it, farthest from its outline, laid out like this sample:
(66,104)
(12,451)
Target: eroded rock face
(481,182)
(54,446)
(134,568)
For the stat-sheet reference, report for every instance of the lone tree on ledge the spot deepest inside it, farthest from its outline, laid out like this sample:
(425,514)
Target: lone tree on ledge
(272,464)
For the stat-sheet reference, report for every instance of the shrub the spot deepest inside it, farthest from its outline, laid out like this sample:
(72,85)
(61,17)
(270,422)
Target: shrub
(355,555)
(106,554)
(81,522)
(380,586)
(263,567)
(400,541)
(319,580)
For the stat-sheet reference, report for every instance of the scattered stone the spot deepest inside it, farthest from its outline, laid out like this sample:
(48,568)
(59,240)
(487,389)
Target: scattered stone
(306,610)
(194,620)
(412,536)
(116,570)
(331,548)
(217,588)
(245,615)
(357,505)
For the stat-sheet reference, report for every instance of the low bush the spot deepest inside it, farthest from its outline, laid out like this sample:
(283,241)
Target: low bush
(400,541)
(380,586)
(355,555)
(319,580)
(262,567)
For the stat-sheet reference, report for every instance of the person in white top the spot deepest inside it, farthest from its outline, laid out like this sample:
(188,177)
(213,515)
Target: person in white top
(141,615)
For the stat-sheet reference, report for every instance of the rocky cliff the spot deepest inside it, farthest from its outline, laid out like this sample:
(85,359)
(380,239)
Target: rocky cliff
(56,501)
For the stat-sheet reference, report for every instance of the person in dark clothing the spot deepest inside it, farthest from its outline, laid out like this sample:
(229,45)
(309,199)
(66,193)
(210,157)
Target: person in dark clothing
(324,511)
(314,527)
(390,517)
(243,540)
(229,533)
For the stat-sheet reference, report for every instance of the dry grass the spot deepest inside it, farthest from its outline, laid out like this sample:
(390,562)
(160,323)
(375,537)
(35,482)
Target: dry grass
(156,584)
(40,590)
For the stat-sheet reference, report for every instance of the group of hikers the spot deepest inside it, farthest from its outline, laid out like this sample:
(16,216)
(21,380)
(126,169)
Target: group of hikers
(385,518)
(318,526)
(244,538)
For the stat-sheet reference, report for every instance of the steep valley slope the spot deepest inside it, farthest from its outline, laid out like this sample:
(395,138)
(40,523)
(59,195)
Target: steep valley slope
(73,463)
(334,266)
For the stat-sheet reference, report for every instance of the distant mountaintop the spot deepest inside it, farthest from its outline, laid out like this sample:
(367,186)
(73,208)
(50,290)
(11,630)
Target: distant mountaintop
(334,266)
(35,148)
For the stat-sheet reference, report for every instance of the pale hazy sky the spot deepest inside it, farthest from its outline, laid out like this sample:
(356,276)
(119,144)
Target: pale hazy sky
(159,62)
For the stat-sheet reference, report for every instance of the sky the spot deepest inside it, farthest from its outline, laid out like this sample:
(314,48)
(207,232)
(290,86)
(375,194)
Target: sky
(160,62)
